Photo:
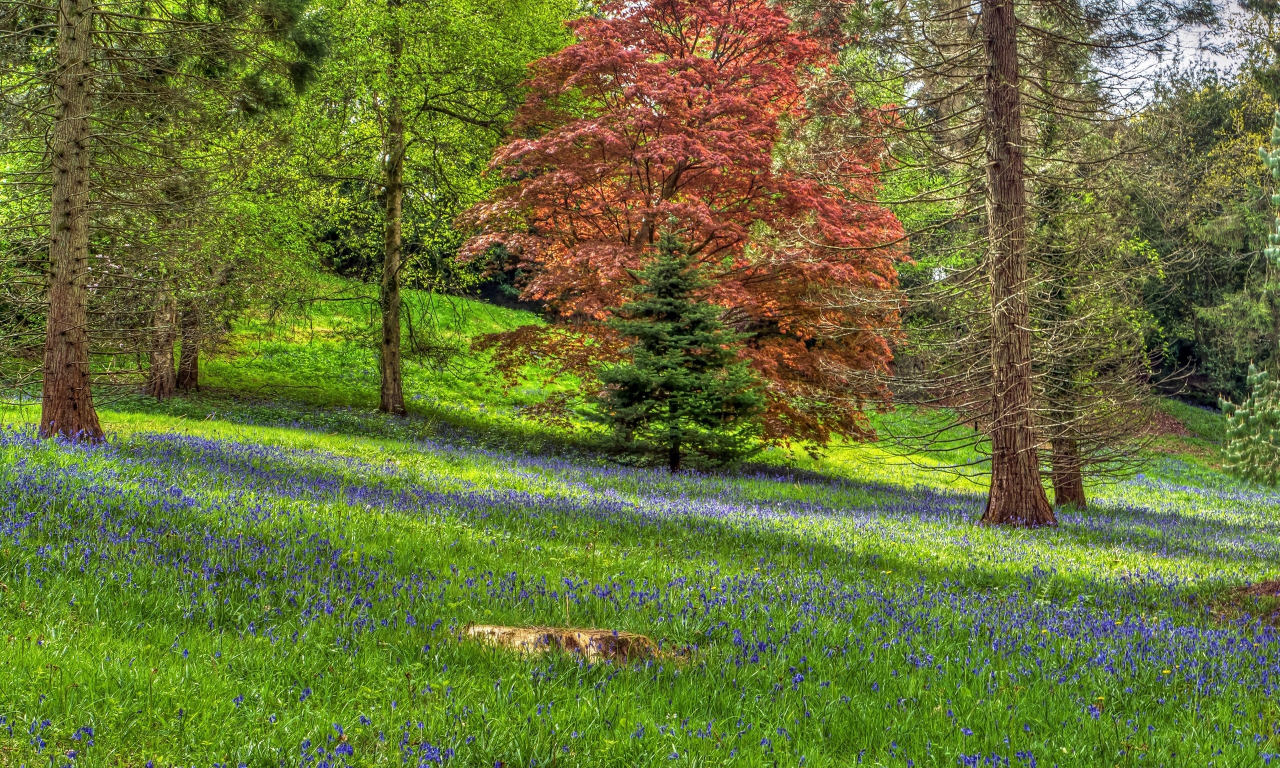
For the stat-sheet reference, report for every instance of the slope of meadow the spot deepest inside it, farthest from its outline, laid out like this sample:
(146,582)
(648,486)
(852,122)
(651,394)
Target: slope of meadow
(270,574)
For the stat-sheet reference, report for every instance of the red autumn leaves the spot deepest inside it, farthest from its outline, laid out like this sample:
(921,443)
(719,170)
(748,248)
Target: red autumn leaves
(715,119)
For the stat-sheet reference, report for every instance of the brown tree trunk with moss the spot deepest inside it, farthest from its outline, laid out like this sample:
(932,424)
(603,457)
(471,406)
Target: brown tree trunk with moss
(392,391)
(162,380)
(1068,479)
(189,351)
(67,405)
(1017,496)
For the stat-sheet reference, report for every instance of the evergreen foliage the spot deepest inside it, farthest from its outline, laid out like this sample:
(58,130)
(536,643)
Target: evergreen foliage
(1272,161)
(1253,428)
(684,390)
(1253,431)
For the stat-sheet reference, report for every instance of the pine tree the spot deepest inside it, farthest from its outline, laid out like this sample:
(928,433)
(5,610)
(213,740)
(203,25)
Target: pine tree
(1253,427)
(1272,160)
(1253,431)
(684,389)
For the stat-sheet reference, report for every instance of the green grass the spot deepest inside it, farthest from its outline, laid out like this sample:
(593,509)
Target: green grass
(1203,423)
(327,357)
(234,573)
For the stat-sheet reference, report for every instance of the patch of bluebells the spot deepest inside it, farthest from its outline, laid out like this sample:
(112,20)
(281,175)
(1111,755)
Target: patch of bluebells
(233,524)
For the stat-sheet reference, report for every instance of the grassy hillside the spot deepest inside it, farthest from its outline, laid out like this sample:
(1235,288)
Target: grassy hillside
(249,581)
(326,357)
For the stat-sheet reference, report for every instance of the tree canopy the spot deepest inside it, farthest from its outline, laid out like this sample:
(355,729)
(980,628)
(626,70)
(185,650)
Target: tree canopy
(683,111)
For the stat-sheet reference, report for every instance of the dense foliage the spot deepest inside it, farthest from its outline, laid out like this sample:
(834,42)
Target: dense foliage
(1201,200)
(457,75)
(217,184)
(680,111)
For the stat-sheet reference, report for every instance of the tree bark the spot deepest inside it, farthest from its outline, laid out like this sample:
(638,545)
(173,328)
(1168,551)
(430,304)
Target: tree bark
(954,81)
(1068,480)
(673,454)
(189,355)
(67,406)
(1017,496)
(162,381)
(392,394)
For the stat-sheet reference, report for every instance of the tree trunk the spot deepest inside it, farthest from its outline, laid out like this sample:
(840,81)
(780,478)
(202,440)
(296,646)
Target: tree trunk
(162,382)
(392,395)
(673,455)
(958,36)
(67,407)
(1068,481)
(1017,496)
(189,357)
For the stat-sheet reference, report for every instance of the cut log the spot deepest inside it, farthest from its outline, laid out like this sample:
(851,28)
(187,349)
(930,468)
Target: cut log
(594,645)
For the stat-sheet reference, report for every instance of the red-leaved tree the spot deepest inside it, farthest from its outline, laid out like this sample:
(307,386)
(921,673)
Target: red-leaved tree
(712,118)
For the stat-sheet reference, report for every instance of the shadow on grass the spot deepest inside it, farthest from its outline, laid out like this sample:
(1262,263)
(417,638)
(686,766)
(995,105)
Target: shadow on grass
(458,429)
(1169,532)
(701,534)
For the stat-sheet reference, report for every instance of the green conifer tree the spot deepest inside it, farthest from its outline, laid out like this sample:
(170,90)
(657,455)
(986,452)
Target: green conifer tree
(1253,428)
(1253,431)
(684,390)
(1272,160)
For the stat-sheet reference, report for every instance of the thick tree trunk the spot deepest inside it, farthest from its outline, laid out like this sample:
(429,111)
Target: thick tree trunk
(392,396)
(1017,496)
(162,381)
(1068,480)
(67,407)
(189,356)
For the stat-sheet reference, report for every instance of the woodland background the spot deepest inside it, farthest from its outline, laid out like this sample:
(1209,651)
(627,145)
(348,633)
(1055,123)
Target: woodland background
(1035,219)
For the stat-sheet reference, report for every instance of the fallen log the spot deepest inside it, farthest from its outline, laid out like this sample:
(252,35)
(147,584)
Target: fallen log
(593,644)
